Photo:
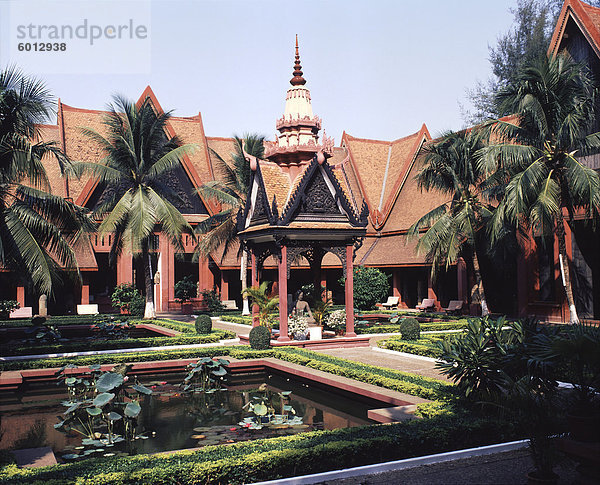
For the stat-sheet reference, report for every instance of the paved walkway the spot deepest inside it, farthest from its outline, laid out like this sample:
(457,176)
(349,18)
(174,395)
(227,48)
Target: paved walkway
(499,469)
(392,360)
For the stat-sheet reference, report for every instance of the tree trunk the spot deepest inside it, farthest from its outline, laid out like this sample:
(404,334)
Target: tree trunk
(244,278)
(564,267)
(147,264)
(484,308)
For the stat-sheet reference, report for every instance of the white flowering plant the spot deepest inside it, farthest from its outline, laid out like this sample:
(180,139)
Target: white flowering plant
(336,320)
(297,325)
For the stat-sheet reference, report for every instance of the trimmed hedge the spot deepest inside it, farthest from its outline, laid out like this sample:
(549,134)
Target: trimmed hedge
(65,320)
(203,324)
(424,347)
(395,328)
(236,319)
(61,347)
(274,458)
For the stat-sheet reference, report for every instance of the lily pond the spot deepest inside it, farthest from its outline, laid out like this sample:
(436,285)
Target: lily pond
(112,413)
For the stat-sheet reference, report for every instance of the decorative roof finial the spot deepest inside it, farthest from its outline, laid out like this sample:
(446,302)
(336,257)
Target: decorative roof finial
(297,80)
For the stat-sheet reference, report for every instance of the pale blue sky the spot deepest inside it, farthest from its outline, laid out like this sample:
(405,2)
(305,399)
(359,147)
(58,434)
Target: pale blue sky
(376,69)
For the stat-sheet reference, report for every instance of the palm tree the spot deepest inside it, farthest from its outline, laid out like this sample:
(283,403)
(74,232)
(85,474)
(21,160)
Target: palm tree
(37,229)
(554,104)
(221,228)
(266,303)
(450,167)
(137,157)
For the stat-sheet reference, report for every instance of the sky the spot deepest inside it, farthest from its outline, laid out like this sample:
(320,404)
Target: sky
(376,69)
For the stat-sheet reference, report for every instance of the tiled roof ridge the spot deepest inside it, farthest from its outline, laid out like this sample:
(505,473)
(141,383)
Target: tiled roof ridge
(384,142)
(423,136)
(579,12)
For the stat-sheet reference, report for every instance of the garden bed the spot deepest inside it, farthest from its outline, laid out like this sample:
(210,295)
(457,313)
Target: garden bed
(444,429)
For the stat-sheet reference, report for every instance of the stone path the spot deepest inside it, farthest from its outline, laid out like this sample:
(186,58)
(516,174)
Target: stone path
(34,457)
(391,360)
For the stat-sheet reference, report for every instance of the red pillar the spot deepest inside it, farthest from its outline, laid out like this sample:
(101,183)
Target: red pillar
(124,268)
(21,296)
(224,285)
(349,293)
(461,279)
(167,269)
(283,307)
(205,277)
(85,289)
(431,292)
(255,321)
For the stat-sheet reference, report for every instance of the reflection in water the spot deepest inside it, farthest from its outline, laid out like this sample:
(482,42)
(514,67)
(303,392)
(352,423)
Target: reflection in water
(175,420)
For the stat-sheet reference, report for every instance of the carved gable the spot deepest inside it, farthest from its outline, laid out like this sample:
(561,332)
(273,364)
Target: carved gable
(175,183)
(261,213)
(317,203)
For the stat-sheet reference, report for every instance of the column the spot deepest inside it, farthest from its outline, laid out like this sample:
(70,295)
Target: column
(461,279)
(85,288)
(431,292)
(224,285)
(283,307)
(349,293)
(167,267)
(21,296)
(124,268)
(255,284)
(205,277)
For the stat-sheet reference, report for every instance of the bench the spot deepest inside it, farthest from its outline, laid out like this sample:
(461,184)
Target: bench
(426,305)
(229,304)
(24,312)
(392,302)
(454,307)
(91,309)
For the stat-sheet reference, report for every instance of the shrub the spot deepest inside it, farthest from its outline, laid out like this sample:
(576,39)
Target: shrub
(260,338)
(410,329)
(212,300)
(370,286)
(203,324)
(6,306)
(186,289)
(128,298)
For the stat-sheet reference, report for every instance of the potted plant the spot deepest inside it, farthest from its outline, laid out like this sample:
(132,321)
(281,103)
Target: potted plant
(321,309)
(298,327)
(126,298)
(186,289)
(7,306)
(336,321)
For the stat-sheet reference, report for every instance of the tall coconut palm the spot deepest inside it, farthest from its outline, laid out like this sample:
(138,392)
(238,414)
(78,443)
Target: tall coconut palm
(450,167)
(138,155)
(540,150)
(221,228)
(37,229)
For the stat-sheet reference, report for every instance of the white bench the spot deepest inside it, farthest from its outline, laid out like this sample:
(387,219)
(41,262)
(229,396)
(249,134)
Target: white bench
(24,312)
(91,309)
(229,304)
(392,302)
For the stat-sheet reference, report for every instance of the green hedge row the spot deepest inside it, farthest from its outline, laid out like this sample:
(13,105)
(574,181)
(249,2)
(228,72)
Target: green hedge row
(425,327)
(236,319)
(424,349)
(183,327)
(64,320)
(61,347)
(275,458)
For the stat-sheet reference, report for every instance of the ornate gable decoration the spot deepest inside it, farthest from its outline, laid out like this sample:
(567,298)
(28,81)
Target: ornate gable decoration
(320,198)
(257,205)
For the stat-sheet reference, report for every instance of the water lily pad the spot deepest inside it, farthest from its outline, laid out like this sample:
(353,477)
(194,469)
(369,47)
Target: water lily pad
(70,456)
(69,381)
(79,448)
(103,399)
(94,411)
(107,382)
(74,407)
(198,436)
(285,393)
(109,454)
(142,389)
(114,416)
(132,409)
(260,409)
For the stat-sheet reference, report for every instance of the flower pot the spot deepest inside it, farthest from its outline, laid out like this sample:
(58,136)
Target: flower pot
(584,428)
(533,478)
(316,333)
(300,336)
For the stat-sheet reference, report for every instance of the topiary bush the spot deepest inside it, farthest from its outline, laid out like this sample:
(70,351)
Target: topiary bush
(370,286)
(260,338)
(203,324)
(410,329)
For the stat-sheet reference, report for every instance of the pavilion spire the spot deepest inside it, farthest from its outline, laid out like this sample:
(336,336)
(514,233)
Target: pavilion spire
(297,80)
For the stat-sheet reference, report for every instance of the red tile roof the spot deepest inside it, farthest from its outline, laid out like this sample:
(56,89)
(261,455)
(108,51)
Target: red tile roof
(587,19)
